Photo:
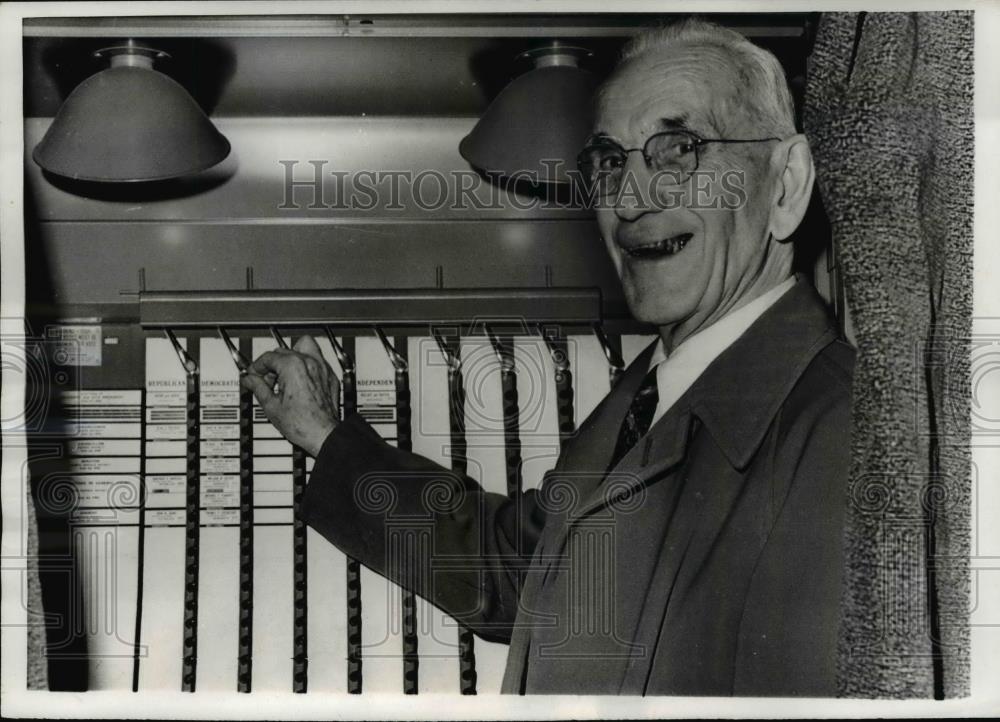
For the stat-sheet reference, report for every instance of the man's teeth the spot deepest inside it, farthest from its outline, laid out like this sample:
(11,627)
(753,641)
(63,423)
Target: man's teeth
(666,247)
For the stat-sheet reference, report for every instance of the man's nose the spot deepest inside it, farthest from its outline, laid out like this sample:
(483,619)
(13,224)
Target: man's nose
(634,198)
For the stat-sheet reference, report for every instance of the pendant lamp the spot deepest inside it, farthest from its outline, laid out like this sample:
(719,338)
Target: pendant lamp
(543,115)
(130,123)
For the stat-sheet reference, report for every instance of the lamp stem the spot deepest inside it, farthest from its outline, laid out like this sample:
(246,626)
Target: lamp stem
(546,61)
(131,60)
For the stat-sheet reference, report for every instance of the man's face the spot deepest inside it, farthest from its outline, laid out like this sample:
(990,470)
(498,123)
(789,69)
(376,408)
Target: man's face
(724,247)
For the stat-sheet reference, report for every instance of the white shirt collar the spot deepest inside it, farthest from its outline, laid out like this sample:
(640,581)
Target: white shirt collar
(677,372)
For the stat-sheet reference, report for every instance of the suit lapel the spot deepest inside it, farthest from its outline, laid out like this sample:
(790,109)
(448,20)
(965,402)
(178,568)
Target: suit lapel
(661,453)
(662,447)
(589,453)
(583,461)
(702,509)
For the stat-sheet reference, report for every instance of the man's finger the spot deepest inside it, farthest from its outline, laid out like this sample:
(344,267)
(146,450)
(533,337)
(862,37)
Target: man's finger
(272,362)
(335,392)
(259,386)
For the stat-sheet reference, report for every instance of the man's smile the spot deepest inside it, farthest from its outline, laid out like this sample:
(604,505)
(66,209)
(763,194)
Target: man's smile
(658,249)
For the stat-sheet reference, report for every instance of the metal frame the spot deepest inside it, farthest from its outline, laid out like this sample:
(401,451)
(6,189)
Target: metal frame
(418,307)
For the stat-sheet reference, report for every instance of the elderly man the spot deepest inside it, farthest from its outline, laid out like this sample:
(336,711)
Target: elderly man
(689,539)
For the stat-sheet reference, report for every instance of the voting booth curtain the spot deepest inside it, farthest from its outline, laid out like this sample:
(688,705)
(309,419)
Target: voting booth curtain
(889,114)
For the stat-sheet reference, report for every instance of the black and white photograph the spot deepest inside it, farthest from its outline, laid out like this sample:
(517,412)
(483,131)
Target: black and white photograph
(464,360)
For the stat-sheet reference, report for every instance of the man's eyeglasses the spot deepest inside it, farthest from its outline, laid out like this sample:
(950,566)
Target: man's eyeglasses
(672,154)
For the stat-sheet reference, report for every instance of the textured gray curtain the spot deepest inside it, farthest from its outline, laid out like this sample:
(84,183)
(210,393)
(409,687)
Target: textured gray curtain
(36,669)
(889,113)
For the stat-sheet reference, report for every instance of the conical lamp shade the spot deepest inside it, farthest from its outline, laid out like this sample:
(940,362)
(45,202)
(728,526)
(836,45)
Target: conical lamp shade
(130,123)
(543,115)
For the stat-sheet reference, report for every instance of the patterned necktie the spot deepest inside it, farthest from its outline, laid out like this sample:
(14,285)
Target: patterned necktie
(638,418)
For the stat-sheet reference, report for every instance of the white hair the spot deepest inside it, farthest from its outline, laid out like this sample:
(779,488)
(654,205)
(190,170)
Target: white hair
(760,88)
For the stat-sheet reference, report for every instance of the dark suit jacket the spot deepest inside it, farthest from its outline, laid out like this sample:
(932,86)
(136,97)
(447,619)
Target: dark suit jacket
(707,561)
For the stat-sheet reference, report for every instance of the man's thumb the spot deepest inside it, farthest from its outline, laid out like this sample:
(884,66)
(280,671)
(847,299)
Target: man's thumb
(308,346)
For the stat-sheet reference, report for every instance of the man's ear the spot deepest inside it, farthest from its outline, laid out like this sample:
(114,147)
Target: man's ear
(794,185)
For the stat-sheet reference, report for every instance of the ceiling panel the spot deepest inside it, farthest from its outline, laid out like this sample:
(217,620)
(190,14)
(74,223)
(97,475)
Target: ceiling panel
(332,65)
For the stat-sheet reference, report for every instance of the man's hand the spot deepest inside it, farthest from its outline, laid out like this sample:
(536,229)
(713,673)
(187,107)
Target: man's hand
(298,391)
